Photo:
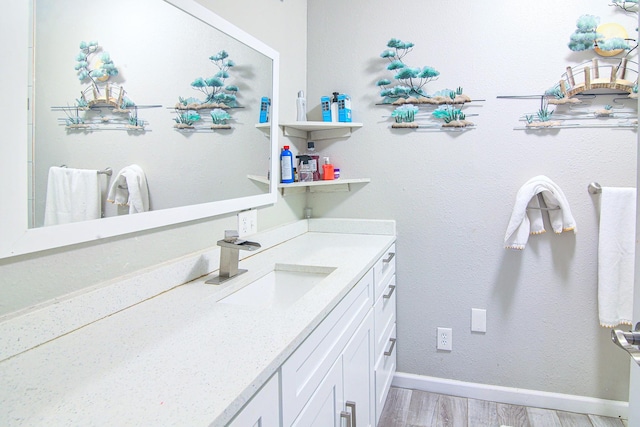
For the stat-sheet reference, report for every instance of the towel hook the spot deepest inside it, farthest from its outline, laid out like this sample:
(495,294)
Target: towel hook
(594,188)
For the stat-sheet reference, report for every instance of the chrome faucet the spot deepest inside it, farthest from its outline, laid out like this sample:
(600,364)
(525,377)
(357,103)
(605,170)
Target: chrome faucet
(231,246)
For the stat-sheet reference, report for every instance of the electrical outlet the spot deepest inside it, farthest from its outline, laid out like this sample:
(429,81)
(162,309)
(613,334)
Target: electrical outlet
(445,339)
(247,222)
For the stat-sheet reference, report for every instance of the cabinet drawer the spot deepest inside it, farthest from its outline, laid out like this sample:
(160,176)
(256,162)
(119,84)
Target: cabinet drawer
(303,371)
(385,316)
(263,409)
(385,369)
(383,270)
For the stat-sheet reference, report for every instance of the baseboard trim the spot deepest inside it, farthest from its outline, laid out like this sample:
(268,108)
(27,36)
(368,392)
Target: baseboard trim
(514,396)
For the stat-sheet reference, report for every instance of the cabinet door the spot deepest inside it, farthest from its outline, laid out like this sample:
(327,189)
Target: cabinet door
(326,404)
(358,359)
(263,410)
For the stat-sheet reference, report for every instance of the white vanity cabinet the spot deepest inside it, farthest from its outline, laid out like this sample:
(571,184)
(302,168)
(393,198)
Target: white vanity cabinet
(340,375)
(385,326)
(263,410)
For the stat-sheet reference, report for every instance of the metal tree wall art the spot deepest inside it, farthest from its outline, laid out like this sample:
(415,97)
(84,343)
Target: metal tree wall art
(218,96)
(408,89)
(102,103)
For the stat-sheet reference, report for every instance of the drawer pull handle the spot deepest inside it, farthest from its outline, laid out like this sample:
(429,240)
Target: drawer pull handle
(352,406)
(388,260)
(391,289)
(347,416)
(393,344)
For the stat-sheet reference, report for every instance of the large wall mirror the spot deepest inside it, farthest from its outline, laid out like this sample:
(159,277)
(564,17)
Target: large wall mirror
(191,173)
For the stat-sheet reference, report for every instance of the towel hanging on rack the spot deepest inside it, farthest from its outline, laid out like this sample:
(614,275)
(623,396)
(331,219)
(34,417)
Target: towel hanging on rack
(72,195)
(524,222)
(129,188)
(616,255)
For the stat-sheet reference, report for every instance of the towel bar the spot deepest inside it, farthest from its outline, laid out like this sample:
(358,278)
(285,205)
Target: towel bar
(594,188)
(106,171)
(543,208)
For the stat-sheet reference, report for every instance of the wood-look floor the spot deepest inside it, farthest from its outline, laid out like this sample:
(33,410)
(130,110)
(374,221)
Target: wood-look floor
(413,408)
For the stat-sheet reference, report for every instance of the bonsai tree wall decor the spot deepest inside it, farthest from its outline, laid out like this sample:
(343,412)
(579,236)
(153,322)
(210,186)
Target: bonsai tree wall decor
(217,94)
(95,67)
(410,81)
(219,97)
(408,89)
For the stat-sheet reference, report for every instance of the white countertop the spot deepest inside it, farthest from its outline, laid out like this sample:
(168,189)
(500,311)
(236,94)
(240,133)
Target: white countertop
(181,358)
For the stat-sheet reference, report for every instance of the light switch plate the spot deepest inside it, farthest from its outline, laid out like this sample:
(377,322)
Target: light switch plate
(247,222)
(478,320)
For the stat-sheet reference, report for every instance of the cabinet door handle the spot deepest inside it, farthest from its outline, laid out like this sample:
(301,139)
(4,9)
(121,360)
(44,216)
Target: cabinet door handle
(352,406)
(391,289)
(346,416)
(388,260)
(393,344)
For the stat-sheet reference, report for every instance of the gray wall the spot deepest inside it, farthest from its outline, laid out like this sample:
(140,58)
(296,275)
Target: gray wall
(452,194)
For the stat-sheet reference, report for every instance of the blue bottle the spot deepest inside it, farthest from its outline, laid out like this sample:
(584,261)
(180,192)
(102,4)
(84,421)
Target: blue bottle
(265,102)
(286,165)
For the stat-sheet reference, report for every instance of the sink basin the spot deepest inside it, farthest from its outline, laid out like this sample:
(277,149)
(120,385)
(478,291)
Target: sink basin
(280,287)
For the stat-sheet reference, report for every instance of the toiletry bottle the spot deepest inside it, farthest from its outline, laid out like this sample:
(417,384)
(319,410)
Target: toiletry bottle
(325,106)
(334,107)
(314,161)
(265,102)
(344,108)
(327,170)
(286,165)
(305,174)
(301,104)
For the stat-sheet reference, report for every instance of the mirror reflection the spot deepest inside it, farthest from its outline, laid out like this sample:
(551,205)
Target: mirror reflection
(159,63)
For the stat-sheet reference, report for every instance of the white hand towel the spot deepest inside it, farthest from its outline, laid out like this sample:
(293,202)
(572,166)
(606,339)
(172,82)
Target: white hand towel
(72,195)
(526,221)
(616,254)
(129,188)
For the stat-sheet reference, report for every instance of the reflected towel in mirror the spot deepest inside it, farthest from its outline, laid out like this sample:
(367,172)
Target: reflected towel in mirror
(72,195)
(129,188)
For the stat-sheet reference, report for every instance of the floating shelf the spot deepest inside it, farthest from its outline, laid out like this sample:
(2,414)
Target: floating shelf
(315,131)
(331,186)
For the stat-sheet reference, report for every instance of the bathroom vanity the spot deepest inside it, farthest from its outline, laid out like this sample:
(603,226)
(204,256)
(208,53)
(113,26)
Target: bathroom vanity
(305,337)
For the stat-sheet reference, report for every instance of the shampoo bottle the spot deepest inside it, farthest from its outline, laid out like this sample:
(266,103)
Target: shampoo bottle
(301,104)
(286,165)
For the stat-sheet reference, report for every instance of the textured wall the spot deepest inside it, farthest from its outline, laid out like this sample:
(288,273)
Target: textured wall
(452,194)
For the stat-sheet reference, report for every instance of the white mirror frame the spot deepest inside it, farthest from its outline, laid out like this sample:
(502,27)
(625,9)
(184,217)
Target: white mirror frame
(15,236)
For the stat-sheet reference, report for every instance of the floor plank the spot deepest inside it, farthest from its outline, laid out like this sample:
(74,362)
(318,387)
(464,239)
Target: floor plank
(598,421)
(482,413)
(569,419)
(451,411)
(396,408)
(512,415)
(422,409)
(543,418)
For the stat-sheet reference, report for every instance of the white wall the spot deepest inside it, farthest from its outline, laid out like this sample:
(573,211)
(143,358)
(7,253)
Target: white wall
(30,279)
(452,194)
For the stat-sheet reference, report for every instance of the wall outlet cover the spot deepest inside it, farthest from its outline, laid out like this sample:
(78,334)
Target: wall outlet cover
(445,339)
(247,222)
